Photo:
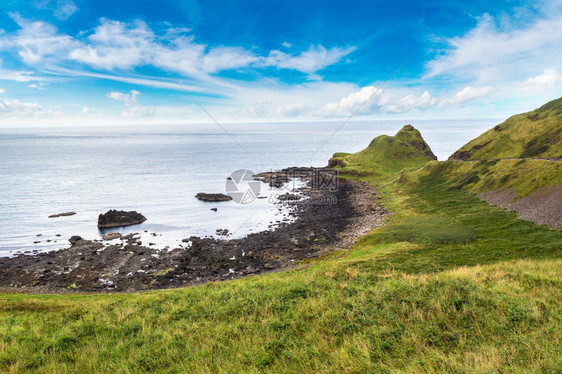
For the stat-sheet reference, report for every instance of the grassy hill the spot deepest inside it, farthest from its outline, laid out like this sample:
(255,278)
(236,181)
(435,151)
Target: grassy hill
(452,284)
(386,154)
(533,134)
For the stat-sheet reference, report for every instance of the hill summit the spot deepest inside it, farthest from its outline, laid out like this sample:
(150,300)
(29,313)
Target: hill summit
(537,133)
(389,153)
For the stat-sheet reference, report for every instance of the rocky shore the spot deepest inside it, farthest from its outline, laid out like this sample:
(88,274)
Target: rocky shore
(330,214)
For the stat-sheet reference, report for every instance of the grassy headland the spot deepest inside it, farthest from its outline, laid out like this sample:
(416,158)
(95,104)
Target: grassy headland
(533,134)
(452,284)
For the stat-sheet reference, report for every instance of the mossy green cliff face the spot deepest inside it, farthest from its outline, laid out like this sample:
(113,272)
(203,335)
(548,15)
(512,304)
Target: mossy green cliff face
(536,134)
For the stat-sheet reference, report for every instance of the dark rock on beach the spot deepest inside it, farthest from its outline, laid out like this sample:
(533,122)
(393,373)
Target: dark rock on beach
(324,220)
(289,197)
(213,197)
(111,236)
(119,218)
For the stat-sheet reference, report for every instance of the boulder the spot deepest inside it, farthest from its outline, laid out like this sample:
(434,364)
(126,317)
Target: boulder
(74,239)
(111,236)
(213,197)
(119,218)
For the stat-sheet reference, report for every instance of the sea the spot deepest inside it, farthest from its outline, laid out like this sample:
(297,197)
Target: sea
(158,170)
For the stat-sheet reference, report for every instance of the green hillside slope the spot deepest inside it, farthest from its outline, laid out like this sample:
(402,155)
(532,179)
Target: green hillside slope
(533,134)
(387,154)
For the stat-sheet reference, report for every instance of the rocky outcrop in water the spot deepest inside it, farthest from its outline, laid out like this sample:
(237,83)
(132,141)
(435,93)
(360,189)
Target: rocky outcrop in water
(119,218)
(213,197)
(65,214)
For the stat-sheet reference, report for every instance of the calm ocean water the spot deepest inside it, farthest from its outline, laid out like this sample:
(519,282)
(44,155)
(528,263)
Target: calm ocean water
(158,170)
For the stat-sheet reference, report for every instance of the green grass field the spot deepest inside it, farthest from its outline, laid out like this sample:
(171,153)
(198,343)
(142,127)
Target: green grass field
(450,285)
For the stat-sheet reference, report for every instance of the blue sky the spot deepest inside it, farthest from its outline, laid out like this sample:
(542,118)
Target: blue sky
(113,62)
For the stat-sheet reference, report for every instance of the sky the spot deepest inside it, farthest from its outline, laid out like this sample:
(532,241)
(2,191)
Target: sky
(187,61)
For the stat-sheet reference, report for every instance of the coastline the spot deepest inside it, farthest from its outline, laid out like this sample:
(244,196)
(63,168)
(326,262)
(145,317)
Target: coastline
(325,220)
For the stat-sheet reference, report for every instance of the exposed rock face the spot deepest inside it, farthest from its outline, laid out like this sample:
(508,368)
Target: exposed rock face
(65,214)
(213,197)
(460,156)
(111,236)
(119,218)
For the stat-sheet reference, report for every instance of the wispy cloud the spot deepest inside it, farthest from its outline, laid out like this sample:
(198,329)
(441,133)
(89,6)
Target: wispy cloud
(490,53)
(468,94)
(36,42)
(115,45)
(14,108)
(540,83)
(61,9)
(311,61)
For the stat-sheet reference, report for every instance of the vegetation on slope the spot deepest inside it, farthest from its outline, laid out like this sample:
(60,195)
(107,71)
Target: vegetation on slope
(521,176)
(451,284)
(533,134)
(386,154)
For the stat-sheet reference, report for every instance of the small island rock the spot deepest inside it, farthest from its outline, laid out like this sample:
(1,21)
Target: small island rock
(213,197)
(119,218)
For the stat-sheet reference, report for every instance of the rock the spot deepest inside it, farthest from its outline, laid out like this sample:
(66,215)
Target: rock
(276,183)
(214,209)
(222,232)
(111,236)
(65,214)
(289,197)
(74,239)
(119,218)
(213,197)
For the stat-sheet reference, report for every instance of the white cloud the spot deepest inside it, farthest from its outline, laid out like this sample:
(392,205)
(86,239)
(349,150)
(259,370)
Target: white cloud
(538,84)
(368,99)
(115,44)
(132,106)
(468,94)
(18,76)
(125,46)
(411,102)
(35,41)
(2,91)
(489,53)
(293,110)
(16,108)
(314,59)
(38,86)
(64,9)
